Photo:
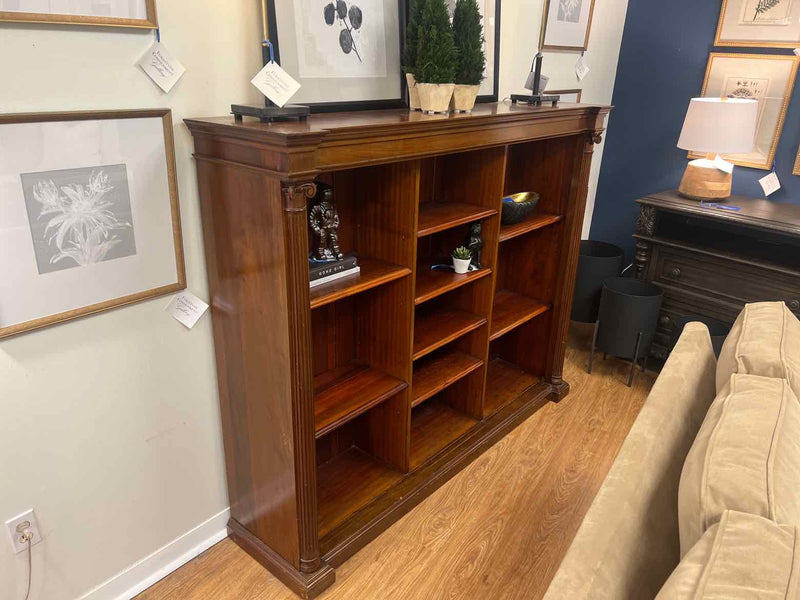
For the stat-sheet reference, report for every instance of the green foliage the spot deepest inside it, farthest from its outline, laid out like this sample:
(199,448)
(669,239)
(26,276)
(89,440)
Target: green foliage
(468,35)
(436,48)
(462,253)
(412,36)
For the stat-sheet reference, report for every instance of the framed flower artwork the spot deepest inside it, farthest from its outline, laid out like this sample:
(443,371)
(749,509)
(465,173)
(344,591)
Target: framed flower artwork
(90,217)
(759,23)
(139,14)
(767,78)
(567,24)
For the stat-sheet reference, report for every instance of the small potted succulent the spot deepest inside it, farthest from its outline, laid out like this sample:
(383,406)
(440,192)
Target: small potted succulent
(435,64)
(461,259)
(410,53)
(468,36)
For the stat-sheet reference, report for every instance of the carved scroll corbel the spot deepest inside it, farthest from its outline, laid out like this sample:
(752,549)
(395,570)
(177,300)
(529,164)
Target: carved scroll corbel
(296,194)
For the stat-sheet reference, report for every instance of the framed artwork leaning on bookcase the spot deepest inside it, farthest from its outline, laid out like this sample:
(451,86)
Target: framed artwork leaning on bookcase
(90,216)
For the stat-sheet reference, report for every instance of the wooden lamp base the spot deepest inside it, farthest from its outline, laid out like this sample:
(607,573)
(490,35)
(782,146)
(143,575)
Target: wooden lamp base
(704,181)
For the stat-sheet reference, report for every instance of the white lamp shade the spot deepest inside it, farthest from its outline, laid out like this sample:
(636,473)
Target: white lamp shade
(720,125)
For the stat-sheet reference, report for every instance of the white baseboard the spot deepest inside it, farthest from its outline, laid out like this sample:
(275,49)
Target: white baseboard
(141,575)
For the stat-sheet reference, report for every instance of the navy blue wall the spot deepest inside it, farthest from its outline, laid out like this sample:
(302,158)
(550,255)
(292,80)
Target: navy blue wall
(665,48)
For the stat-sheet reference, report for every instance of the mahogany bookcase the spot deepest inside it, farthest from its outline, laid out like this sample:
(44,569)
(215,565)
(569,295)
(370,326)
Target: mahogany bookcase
(346,405)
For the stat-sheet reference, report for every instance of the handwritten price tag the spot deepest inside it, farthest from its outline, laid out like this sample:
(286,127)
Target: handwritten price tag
(275,83)
(163,68)
(187,308)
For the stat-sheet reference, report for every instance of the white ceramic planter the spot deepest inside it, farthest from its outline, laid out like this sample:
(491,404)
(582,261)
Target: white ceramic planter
(413,92)
(435,97)
(461,265)
(464,97)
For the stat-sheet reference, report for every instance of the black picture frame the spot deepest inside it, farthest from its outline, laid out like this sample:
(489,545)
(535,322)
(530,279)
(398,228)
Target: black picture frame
(329,107)
(496,71)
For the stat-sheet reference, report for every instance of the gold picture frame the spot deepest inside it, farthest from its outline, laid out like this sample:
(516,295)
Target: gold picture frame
(21,246)
(581,45)
(758,81)
(735,36)
(150,22)
(576,91)
(796,168)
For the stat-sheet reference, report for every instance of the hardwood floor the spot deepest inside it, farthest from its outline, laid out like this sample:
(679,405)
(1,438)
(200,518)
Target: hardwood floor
(499,529)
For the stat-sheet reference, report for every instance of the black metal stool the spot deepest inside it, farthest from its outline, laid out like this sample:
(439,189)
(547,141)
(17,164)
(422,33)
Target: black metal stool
(597,262)
(626,320)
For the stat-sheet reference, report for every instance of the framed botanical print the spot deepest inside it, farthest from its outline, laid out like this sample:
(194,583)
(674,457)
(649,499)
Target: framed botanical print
(89,218)
(109,13)
(567,95)
(567,24)
(766,78)
(759,23)
(345,54)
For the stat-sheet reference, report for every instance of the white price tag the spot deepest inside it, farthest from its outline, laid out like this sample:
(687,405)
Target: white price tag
(187,308)
(722,164)
(163,68)
(275,83)
(543,81)
(581,68)
(770,183)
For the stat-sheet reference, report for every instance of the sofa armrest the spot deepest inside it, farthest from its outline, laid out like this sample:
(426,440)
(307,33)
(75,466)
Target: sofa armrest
(628,542)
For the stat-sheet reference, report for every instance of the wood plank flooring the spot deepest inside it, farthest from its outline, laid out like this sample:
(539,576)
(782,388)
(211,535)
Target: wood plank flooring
(499,529)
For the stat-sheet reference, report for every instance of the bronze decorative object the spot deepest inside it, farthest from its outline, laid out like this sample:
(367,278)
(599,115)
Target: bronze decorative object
(474,243)
(324,221)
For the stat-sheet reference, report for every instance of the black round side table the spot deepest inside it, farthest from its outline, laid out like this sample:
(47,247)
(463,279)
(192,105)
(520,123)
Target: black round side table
(597,261)
(626,321)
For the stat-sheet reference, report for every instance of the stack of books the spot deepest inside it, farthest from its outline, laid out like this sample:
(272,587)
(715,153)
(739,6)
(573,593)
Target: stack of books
(325,272)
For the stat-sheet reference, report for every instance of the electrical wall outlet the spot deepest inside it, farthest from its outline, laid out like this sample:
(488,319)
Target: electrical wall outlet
(19,525)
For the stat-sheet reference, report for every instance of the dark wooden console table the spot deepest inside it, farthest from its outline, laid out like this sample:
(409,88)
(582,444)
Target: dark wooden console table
(346,405)
(711,261)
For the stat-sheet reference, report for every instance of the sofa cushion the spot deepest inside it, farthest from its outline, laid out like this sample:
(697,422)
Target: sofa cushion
(742,557)
(746,457)
(764,340)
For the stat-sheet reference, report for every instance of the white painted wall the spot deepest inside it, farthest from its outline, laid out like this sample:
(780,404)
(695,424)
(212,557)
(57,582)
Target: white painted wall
(109,425)
(519,37)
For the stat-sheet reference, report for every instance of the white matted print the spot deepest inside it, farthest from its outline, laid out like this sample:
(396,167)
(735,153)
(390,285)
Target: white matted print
(766,78)
(759,23)
(568,24)
(88,215)
(341,40)
(340,50)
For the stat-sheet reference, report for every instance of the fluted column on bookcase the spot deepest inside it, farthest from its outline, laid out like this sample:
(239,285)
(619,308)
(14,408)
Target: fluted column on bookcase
(295,197)
(572,242)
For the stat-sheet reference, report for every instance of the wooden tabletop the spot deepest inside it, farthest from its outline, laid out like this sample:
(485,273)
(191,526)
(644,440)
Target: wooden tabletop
(753,212)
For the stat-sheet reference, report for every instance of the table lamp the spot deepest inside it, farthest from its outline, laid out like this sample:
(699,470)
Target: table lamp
(715,126)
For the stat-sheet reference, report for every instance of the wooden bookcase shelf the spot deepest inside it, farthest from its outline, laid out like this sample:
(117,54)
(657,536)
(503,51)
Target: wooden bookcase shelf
(505,381)
(431,284)
(437,328)
(438,216)
(344,393)
(374,272)
(435,373)
(512,310)
(345,405)
(434,425)
(532,223)
(339,497)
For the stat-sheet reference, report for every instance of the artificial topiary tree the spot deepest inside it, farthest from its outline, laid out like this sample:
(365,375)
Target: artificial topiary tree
(468,35)
(412,36)
(436,48)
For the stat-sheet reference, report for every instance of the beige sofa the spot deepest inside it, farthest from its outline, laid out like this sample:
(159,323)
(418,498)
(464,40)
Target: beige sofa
(703,500)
